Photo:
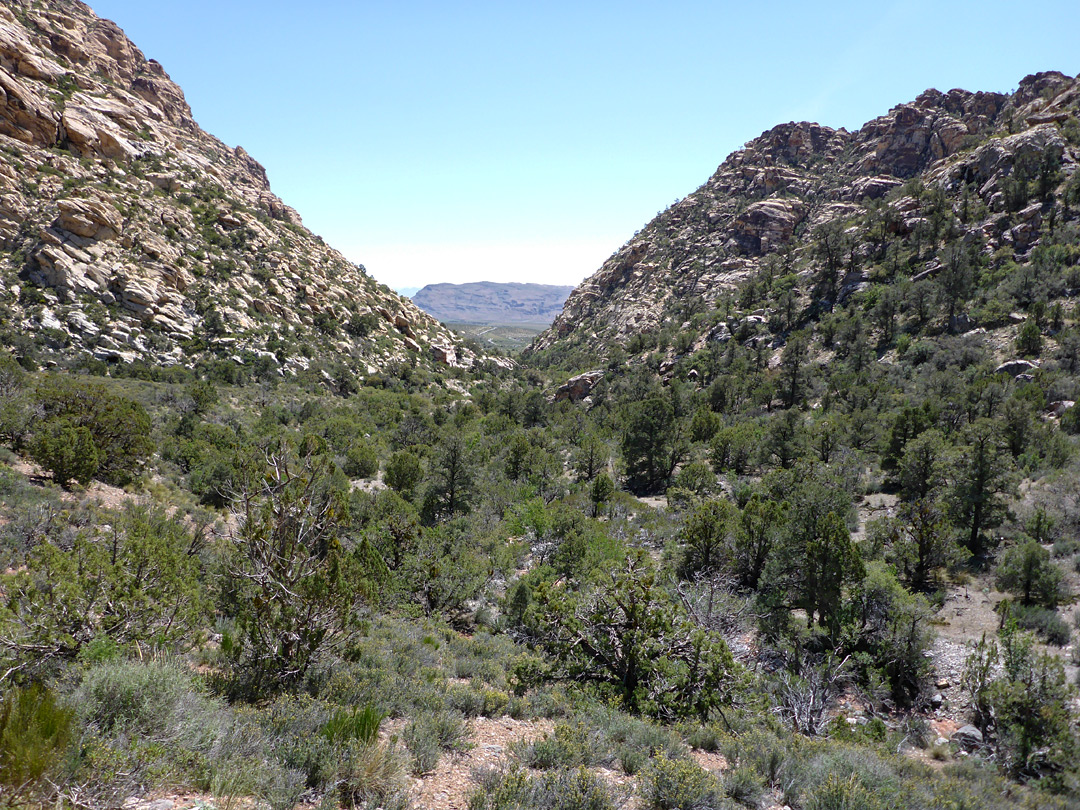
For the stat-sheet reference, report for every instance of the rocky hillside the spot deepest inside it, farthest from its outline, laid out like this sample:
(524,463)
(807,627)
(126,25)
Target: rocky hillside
(128,233)
(488,302)
(837,211)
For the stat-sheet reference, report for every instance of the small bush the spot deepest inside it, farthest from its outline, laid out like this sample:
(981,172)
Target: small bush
(67,451)
(294,730)
(424,748)
(844,778)
(361,725)
(679,784)
(34,731)
(280,788)
(495,703)
(569,789)
(842,793)
(140,698)
(743,785)
(1047,623)
(569,745)
(371,776)
(632,760)
(360,460)
(429,735)
(465,699)
(704,738)
(767,754)
(1065,548)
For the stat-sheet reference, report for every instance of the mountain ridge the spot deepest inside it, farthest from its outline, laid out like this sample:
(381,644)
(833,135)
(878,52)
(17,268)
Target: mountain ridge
(764,202)
(490,302)
(130,234)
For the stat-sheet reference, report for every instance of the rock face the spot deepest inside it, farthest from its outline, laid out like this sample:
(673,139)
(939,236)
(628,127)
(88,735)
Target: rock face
(761,210)
(579,387)
(126,232)
(488,302)
(1015,368)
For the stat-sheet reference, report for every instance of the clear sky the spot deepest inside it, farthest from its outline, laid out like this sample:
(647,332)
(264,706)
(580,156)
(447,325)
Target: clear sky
(508,141)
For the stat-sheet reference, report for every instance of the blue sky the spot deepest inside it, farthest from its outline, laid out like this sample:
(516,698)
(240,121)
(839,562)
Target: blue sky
(527,141)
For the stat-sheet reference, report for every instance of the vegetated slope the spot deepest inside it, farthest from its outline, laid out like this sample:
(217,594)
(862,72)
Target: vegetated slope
(127,232)
(488,302)
(843,212)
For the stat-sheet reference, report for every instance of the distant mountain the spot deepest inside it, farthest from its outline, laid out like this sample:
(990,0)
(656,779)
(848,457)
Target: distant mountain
(408,292)
(492,303)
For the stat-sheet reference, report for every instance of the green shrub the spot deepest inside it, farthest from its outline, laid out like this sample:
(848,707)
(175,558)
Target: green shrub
(280,788)
(767,754)
(149,699)
(567,789)
(360,460)
(465,699)
(424,747)
(150,724)
(704,738)
(137,583)
(371,776)
(1046,622)
(403,472)
(291,728)
(1065,548)
(569,745)
(842,793)
(1027,572)
(430,734)
(495,703)
(34,732)
(119,427)
(361,725)
(743,785)
(843,778)
(680,784)
(66,450)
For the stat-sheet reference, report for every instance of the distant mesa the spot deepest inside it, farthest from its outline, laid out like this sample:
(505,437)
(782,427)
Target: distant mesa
(489,302)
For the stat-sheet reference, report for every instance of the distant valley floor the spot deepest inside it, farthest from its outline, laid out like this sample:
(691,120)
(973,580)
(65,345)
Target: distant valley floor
(505,338)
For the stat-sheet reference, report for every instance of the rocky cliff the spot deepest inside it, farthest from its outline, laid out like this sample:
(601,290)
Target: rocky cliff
(488,302)
(991,170)
(128,233)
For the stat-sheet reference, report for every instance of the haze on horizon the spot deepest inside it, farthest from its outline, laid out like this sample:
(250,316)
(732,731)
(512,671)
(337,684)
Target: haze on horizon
(438,142)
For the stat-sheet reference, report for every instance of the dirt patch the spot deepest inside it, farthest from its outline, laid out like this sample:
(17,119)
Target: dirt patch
(968,612)
(448,787)
(654,501)
(874,506)
(101,494)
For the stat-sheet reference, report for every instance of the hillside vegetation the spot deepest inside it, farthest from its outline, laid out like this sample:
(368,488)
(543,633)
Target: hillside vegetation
(799,531)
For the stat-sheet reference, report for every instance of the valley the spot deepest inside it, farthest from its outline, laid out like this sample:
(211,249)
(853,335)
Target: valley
(778,509)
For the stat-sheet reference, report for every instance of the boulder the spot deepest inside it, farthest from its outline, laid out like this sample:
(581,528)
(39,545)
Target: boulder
(579,387)
(968,738)
(1016,367)
(402,324)
(446,355)
(90,219)
(1059,407)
